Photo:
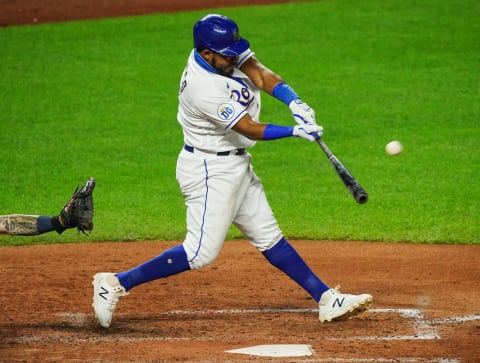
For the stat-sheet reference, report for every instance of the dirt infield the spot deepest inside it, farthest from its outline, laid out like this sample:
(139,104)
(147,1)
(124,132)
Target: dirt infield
(15,12)
(426,305)
(426,296)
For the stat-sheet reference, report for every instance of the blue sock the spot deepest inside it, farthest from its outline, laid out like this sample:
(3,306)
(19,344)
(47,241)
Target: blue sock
(285,258)
(170,262)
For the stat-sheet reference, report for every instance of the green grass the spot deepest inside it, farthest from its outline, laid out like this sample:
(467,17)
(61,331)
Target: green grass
(99,98)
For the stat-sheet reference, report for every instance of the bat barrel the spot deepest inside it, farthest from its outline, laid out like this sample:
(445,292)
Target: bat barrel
(358,193)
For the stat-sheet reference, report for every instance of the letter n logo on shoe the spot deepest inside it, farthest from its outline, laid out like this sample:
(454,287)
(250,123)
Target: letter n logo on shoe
(338,302)
(103,293)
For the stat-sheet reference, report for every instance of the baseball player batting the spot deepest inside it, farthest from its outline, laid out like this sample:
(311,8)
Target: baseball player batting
(219,107)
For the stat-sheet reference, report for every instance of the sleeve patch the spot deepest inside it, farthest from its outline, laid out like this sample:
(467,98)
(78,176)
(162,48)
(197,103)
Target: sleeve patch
(226,111)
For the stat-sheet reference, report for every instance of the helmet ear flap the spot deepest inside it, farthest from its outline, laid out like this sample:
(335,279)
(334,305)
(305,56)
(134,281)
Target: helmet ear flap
(219,34)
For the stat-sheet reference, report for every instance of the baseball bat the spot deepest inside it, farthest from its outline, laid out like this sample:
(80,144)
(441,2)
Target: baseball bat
(355,189)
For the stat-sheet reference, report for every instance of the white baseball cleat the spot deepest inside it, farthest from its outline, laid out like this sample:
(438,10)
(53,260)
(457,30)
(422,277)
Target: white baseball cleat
(334,305)
(106,293)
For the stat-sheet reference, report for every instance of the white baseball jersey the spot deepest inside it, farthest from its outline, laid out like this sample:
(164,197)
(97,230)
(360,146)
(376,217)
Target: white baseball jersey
(219,189)
(211,104)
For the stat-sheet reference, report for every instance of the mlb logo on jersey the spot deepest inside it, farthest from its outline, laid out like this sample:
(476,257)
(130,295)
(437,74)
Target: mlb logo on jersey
(225,111)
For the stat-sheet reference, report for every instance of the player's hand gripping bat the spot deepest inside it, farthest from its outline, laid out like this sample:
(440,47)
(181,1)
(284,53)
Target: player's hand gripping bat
(358,193)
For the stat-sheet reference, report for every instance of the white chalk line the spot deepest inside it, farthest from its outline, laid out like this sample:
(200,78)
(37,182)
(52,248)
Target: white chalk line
(454,320)
(424,329)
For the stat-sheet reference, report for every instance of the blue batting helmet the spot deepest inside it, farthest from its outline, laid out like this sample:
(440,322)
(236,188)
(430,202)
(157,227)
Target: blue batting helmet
(219,34)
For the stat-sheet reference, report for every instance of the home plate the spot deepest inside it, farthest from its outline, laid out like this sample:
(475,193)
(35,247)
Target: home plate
(276,350)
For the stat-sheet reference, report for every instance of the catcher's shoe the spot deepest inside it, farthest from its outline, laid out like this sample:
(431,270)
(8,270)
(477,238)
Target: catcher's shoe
(334,305)
(78,212)
(106,293)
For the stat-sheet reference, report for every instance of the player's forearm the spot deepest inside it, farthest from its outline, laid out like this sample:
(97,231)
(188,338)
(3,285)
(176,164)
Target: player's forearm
(248,128)
(284,93)
(262,131)
(274,132)
(271,80)
(19,224)
(28,225)
(266,131)
(309,132)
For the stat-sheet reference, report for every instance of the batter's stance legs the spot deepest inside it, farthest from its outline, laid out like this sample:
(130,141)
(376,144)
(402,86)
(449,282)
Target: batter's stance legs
(174,260)
(333,305)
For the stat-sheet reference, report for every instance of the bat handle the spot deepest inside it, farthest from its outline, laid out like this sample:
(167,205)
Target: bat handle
(324,147)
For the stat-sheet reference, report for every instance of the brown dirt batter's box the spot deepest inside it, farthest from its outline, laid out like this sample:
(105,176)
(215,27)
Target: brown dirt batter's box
(240,301)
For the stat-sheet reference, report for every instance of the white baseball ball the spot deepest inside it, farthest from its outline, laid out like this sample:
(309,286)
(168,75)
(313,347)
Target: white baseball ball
(394,148)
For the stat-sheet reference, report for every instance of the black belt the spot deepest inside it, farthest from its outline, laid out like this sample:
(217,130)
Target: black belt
(191,149)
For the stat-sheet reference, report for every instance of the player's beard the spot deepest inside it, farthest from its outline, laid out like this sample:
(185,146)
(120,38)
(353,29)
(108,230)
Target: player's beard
(224,70)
